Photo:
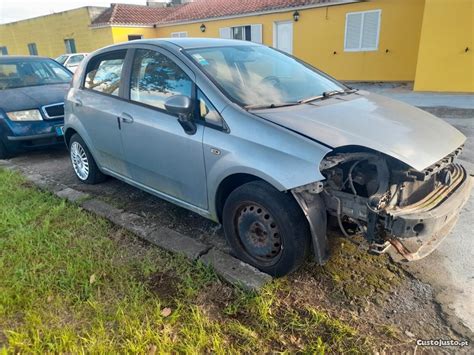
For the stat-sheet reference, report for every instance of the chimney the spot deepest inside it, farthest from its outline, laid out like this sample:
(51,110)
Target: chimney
(166,3)
(158,3)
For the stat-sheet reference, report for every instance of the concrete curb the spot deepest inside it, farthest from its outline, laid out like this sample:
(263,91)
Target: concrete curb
(229,268)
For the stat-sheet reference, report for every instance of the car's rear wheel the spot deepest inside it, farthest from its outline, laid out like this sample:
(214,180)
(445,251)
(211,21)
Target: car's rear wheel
(83,163)
(4,153)
(266,228)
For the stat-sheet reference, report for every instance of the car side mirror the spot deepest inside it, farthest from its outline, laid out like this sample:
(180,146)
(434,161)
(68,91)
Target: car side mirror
(182,106)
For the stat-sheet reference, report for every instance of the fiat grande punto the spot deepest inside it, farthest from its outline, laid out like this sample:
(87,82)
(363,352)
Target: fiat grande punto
(268,146)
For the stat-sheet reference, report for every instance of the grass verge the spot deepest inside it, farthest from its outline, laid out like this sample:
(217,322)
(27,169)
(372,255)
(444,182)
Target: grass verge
(72,282)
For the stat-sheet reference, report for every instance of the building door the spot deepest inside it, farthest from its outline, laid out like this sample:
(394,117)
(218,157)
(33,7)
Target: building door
(283,36)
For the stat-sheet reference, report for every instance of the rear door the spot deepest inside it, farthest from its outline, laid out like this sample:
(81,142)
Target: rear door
(159,154)
(99,106)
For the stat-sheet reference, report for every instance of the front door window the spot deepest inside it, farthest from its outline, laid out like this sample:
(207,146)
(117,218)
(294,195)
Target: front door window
(155,78)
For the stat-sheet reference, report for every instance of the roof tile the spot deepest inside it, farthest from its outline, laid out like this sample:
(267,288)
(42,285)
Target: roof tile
(197,10)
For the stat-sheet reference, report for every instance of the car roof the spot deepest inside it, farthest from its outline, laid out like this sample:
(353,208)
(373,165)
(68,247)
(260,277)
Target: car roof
(15,58)
(189,42)
(71,54)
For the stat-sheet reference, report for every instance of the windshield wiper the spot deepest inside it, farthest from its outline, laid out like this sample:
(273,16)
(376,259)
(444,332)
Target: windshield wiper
(326,95)
(262,106)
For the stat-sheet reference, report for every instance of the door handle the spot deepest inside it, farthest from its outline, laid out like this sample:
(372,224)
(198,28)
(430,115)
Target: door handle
(77,103)
(126,118)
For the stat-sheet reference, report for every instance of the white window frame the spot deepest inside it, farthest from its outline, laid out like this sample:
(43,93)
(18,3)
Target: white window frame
(363,49)
(180,34)
(256,30)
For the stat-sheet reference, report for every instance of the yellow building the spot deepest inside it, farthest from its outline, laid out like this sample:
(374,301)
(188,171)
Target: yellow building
(428,42)
(52,34)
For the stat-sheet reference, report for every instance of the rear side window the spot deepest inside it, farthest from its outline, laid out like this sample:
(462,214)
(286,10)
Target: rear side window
(104,72)
(155,78)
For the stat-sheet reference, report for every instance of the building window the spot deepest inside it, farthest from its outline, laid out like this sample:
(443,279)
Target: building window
(362,31)
(179,34)
(70,45)
(245,33)
(32,49)
(134,37)
(3,50)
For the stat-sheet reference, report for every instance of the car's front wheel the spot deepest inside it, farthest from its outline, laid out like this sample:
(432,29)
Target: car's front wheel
(83,163)
(266,228)
(4,153)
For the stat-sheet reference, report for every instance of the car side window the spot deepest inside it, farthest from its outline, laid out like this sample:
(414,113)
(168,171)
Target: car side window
(156,77)
(104,71)
(207,111)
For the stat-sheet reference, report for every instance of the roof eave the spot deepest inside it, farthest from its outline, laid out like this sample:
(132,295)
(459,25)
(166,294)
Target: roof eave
(109,24)
(258,13)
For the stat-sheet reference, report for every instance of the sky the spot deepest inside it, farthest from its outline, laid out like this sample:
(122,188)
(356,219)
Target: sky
(14,10)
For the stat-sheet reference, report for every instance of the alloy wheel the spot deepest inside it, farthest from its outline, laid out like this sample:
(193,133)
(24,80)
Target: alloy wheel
(79,161)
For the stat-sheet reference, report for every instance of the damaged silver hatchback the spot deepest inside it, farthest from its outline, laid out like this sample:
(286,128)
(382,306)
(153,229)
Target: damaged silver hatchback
(266,145)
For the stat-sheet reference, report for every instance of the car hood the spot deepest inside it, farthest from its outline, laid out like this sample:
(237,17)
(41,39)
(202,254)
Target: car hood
(32,97)
(404,132)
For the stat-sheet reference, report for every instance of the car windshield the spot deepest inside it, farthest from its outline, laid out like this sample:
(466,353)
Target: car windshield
(23,73)
(61,59)
(256,76)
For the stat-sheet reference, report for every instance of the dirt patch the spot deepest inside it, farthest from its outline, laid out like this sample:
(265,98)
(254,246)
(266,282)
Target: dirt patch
(373,295)
(164,285)
(214,299)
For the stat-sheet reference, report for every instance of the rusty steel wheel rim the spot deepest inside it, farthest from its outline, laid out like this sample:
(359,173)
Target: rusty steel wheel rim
(258,233)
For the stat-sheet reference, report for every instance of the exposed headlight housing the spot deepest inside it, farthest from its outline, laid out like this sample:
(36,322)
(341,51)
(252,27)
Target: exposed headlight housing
(27,115)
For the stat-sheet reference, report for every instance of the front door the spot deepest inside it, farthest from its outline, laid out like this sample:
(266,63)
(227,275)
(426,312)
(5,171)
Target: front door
(283,38)
(158,152)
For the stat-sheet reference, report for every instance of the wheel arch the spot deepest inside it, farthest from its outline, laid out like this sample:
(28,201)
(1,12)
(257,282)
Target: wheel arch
(68,134)
(229,184)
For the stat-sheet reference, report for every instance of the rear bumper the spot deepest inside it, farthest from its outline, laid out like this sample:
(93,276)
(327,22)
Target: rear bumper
(416,230)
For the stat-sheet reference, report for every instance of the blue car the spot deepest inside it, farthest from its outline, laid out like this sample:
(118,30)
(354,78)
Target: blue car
(32,91)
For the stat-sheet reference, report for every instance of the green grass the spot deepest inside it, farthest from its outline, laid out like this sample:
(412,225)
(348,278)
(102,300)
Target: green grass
(72,282)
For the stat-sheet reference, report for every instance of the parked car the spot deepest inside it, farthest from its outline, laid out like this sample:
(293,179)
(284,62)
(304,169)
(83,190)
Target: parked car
(32,91)
(71,61)
(266,145)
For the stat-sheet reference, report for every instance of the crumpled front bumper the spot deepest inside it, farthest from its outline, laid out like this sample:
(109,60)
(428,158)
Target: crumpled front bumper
(416,230)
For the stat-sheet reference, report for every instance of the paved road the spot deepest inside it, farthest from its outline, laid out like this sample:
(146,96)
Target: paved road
(450,269)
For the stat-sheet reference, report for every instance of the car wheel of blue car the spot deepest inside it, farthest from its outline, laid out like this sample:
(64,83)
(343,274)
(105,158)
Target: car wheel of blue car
(83,163)
(266,228)
(4,153)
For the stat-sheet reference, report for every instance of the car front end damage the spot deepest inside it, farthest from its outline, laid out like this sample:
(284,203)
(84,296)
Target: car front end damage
(396,208)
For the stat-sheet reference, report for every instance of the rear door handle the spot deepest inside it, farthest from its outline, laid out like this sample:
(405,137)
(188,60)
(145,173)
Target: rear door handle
(126,118)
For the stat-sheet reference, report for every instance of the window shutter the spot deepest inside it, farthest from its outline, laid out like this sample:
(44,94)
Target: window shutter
(224,32)
(370,30)
(256,33)
(353,31)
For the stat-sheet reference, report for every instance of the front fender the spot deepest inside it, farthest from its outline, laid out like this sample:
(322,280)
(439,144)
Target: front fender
(256,147)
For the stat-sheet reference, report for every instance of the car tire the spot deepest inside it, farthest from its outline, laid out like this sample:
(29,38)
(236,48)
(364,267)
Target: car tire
(4,153)
(266,228)
(83,163)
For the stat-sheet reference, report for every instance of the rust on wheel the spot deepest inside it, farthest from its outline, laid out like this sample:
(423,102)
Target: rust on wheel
(258,232)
